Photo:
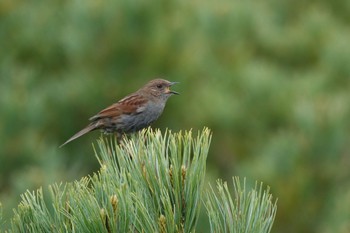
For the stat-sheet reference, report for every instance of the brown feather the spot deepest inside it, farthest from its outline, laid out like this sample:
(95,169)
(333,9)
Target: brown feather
(128,105)
(113,110)
(87,129)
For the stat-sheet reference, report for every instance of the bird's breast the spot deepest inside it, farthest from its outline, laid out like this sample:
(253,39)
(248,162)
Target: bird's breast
(142,118)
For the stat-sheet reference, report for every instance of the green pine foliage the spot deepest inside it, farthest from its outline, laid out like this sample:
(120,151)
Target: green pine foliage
(151,182)
(242,211)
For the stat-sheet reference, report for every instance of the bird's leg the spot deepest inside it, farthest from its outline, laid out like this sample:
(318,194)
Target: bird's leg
(118,138)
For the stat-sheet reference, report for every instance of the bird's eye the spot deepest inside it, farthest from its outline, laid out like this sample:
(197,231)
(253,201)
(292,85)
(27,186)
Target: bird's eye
(159,86)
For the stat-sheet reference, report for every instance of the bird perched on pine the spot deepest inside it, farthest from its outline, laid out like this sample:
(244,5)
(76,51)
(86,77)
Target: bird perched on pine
(132,113)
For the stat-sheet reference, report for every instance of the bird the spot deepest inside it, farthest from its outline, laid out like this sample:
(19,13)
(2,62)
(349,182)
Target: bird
(133,112)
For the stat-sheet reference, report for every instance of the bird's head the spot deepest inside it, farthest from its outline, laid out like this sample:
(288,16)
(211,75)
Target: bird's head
(160,87)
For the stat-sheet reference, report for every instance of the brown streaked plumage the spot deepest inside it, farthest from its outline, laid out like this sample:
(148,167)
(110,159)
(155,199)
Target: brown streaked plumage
(132,113)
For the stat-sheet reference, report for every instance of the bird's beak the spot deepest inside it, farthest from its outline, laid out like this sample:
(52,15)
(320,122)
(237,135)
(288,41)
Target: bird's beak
(171,91)
(172,83)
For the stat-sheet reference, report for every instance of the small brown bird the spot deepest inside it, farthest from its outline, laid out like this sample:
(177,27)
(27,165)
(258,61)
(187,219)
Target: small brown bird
(132,113)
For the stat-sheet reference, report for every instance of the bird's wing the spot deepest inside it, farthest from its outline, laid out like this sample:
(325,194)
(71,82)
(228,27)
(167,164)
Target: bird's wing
(132,104)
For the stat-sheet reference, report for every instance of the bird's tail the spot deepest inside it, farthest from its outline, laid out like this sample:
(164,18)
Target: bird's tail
(87,129)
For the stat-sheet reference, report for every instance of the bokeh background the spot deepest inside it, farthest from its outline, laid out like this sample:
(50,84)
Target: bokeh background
(270,78)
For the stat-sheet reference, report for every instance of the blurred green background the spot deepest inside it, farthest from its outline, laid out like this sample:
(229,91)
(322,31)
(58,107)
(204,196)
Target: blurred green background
(270,78)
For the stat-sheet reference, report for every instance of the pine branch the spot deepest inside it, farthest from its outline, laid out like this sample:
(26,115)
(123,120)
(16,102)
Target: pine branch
(243,211)
(148,183)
